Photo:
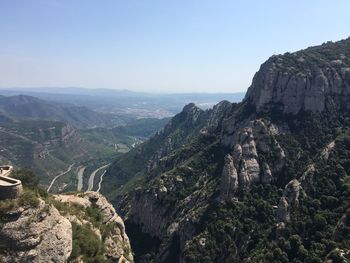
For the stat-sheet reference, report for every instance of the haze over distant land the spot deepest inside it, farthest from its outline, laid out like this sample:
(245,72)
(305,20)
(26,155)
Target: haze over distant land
(155,45)
(138,104)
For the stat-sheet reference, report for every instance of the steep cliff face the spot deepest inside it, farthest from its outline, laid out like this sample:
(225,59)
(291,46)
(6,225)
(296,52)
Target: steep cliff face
(314,79)
(116,242)
(268,174)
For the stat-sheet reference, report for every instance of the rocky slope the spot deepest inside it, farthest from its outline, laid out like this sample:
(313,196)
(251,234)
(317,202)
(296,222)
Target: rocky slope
(266,180)
(155,155)
(58,228)
(115,240)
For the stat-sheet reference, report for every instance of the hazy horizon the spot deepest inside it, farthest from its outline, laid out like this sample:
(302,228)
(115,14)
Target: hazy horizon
(156,46)
(160,92)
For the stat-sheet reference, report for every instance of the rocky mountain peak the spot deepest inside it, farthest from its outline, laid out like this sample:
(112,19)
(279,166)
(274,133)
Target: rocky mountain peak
(313,79)
(189,107)
(191,112)
(212,175)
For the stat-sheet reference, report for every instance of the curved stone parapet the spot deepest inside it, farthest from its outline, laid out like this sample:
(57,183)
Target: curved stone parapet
(10,188)
(5,170)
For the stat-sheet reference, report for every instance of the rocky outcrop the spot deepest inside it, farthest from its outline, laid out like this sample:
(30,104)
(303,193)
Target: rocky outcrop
(67,132)
(327,150)
(289,200)
(314,79)
(39,233)
(250,145)
(35,234)
(117,245)
(229,178)
(57,135)
(217,114)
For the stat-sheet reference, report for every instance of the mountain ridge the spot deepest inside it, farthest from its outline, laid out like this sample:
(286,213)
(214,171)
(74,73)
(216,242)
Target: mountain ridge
(312,79)
(24,107)
(251,185)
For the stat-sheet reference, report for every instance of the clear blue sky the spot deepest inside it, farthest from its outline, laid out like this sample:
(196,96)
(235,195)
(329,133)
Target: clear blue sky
(157,45)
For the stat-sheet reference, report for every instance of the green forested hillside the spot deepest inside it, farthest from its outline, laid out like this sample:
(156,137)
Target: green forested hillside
(265,180)
(47,147)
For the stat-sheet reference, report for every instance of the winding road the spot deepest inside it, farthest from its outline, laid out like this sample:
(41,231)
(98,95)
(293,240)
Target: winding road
(92,177)
(56,177)
(100,182)
(80,178)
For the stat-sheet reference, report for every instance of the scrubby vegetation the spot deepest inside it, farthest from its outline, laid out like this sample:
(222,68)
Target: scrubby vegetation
(319,230)
(246,228)
(30,194)
(86,245)
(133,165)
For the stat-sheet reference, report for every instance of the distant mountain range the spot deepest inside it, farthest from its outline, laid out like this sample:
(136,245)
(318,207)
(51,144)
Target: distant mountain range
(125,102)
(47,136)
(23,107)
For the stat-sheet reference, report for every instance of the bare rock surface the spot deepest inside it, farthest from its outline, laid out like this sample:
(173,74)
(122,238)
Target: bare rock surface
(117,245)
(37,234)
(41,234)
(308,81)
(229,178)
(248,142)
(289,200)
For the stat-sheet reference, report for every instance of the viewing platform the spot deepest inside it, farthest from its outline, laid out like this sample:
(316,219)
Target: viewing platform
(10,188)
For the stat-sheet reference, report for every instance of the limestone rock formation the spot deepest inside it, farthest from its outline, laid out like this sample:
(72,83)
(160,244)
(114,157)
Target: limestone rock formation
(41,233)
(229,178)
(289,200)
(36,234)
(217,114)
(117,245)
(253,139)
(193,207)
(304,80)
(327,150)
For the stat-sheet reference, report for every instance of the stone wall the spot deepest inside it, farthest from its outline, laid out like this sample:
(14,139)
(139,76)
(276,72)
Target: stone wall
(5,170)
(10,188)
(10,191)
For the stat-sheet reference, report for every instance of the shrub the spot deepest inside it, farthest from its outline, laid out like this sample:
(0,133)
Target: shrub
(27,177)
(29,198)
(86,244)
